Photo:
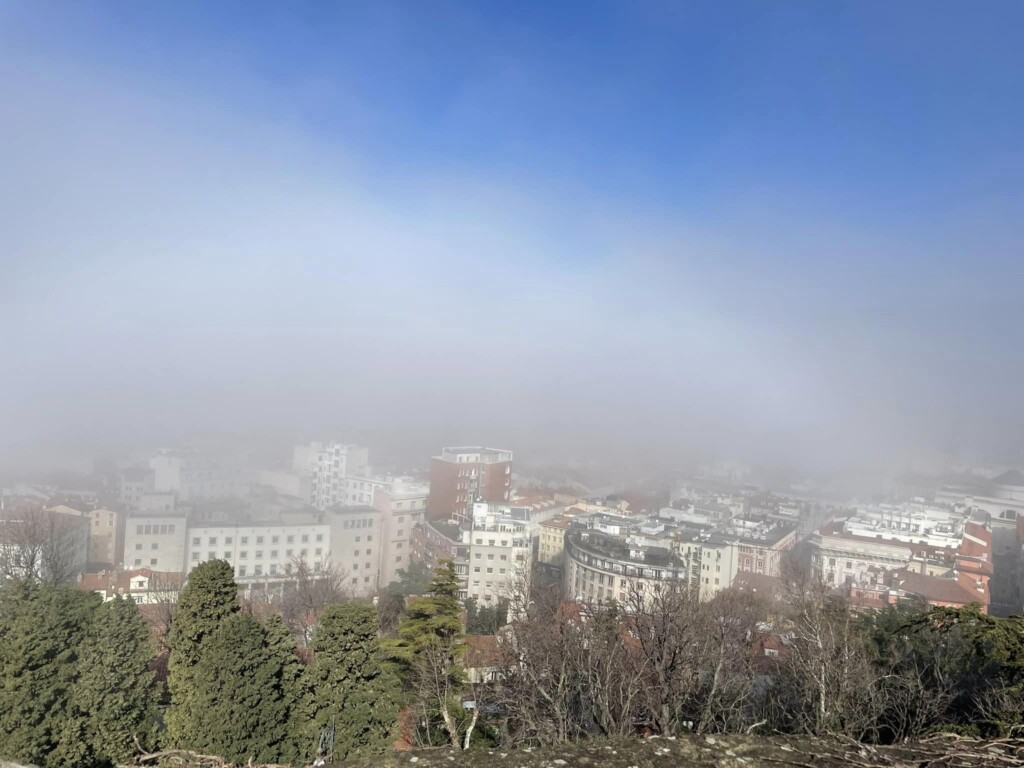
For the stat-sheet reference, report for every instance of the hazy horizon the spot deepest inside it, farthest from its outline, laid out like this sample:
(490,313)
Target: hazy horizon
(621,231)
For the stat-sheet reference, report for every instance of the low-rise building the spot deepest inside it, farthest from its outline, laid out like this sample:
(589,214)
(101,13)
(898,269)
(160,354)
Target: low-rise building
(156,540)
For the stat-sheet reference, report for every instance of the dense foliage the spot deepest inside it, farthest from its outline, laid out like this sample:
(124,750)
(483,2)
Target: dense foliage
(76,687)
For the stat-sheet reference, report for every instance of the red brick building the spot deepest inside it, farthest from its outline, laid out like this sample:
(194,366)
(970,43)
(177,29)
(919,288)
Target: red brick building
(460,476)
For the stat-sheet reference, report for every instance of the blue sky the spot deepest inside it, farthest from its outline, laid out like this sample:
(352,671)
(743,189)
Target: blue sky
(807,212)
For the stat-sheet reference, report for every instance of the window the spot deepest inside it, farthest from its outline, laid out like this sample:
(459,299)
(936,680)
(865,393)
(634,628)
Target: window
(243,555)
(358,539)
(245,539)
(369,537)
(211,555)
(369,552)
(849,564)
(273,554)
(305,538)
(258,570)
(501,571)
(213,541)
(366,579)
(319,551)
(355,566)
(401,532)
(319,539)
(288,552)
(398,545)
(273,569)
(163,530)
(398,559)
(476,569)
(490,570)
(138,546)
(154,545)
(227,555)
(259,539)
(196,541)
(274,539)
(195,556)
(138,530)
(291,539)
(241,570)
(153,561)
(228,540)
(149,529)
(259,554)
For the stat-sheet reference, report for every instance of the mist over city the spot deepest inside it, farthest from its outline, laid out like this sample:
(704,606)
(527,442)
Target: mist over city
(682,320)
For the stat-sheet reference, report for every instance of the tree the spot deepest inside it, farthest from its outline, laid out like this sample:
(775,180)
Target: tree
(352,690)
(209,597)
(428,647)
(238,706)
(113,701)
(414,580)
(390,607)
(42,545)
(309,593)
(295,689)
(41,632)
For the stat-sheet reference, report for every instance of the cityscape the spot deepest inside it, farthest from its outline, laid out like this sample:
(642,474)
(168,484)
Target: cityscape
(619,384)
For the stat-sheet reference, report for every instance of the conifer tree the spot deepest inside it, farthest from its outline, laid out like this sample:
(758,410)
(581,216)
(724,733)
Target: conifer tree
(434,617)
(209,597)
(238,708)
(352,691)
(113,701)
(41,631)
(300,743)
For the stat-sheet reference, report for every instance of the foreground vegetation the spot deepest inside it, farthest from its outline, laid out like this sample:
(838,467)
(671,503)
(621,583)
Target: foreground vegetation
(794,680)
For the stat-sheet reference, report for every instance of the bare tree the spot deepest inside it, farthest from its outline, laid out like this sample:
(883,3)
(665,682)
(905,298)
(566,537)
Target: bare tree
(308,592)
(42,545)
(439,682)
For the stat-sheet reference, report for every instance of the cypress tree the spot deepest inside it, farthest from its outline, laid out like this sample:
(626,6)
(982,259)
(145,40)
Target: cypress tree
(238,707)
(351,688)
(41,631)
(209,597)
(113,701)
(300,743)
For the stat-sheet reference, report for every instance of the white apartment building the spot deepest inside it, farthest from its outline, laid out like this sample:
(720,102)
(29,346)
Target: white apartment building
(156,541)
(331,465)
(402,504)
(356,545)
(191,475)
(261,551)
(500,554)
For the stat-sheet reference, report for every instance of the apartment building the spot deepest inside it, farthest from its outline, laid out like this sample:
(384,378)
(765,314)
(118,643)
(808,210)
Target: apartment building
(461,476)
(402,504)
(262,551)
(106,536)
(156,540)
(356,543)
(331,465)
(191,475)
(500,554)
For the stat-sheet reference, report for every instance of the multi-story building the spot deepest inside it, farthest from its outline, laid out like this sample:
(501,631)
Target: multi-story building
(106,537)
(500,554)
(402,504)
(192,475)
(333,464)
(155,540)
(356,545)
(261,551)
(461,476)
(551,543)
(891,549)
(132,483)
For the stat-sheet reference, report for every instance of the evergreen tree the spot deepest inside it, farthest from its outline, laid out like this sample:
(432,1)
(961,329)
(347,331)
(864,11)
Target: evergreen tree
(351,688)
(238,708)
(41,631)
(436,616)
(114,698)
(300,743)
(209,597)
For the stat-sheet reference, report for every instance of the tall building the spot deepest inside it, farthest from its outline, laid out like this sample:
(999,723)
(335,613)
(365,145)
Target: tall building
(461,476)
(402,503)
(331,464)
(106,536)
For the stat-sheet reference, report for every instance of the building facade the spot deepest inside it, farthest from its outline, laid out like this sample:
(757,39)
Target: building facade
(461,476)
